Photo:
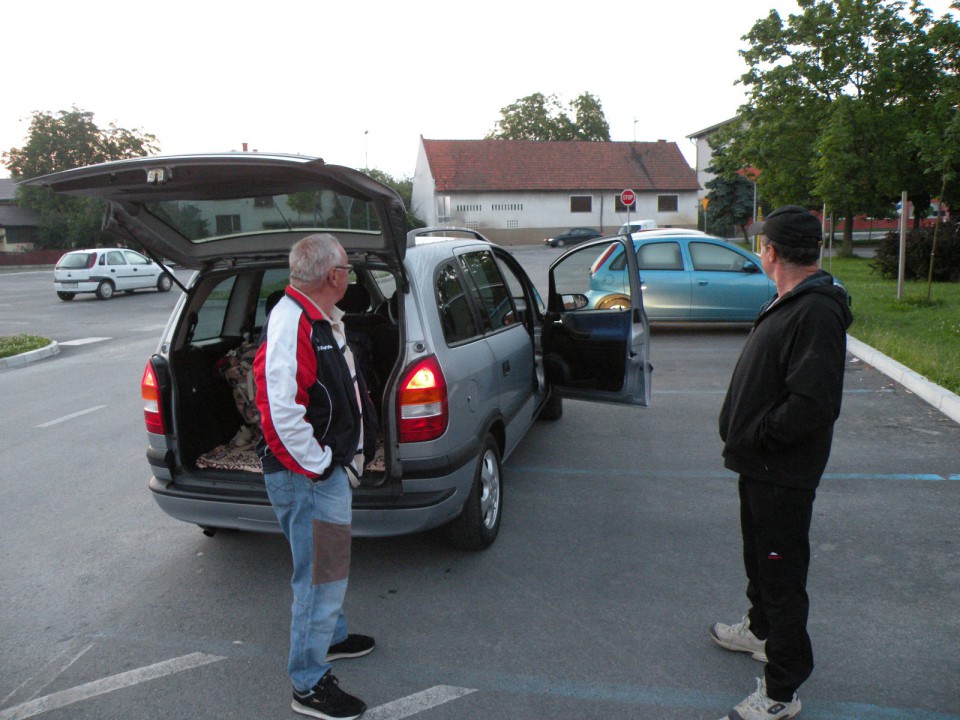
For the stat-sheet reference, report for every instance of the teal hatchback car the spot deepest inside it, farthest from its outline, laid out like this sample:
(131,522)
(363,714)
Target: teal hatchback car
(684,277)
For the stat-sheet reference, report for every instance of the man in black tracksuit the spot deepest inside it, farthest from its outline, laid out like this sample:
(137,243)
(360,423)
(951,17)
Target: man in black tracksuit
(777,427)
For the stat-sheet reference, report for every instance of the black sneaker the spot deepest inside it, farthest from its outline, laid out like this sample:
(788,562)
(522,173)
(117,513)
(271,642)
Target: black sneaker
(353,646)
(328,701)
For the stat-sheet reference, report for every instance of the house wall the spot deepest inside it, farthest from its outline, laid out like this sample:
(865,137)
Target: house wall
(529,217)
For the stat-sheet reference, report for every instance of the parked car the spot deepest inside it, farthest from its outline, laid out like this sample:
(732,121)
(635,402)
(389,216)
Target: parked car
(573,236)
(460,352)
(635,226)
(689,276)
(104,271)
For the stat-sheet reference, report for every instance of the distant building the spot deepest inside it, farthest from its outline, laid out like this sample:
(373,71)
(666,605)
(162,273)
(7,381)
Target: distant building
(18,226)
(521,191)
(705,153)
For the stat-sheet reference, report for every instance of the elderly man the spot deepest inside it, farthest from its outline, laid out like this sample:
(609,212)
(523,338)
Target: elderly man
(309,398)
(776,424)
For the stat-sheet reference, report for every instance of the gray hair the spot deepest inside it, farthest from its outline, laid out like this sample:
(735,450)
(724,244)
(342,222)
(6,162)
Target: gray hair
(313,257)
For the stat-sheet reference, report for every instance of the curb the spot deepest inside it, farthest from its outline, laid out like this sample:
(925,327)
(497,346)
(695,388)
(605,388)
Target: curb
(942,399)
(15,361)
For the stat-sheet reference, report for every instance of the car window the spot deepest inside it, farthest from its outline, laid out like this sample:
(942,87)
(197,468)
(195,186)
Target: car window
(210,317)
(456,315)
(272,286)
(583,280)
(660,256)
(135,258)
(496,305)
(115,257)
(74,261)
(710,257)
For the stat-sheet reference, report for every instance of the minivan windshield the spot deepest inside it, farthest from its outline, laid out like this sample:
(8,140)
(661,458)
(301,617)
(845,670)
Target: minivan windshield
(204,220)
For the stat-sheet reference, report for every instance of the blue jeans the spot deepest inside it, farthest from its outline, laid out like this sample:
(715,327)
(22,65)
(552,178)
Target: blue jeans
(315,517)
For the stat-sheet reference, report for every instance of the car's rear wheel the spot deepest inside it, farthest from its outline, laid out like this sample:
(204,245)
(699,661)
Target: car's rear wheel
(559,243)
(65,295)
(477,525)
(105,290)
(164,283)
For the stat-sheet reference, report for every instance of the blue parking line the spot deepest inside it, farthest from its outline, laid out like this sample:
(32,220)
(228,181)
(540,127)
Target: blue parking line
(670,698)
(720,474)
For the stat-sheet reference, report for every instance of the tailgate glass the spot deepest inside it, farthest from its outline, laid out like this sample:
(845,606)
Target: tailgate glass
(201,221)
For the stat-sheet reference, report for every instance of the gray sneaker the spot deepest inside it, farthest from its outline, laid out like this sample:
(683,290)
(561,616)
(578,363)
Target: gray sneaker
(757,706)
(740,638)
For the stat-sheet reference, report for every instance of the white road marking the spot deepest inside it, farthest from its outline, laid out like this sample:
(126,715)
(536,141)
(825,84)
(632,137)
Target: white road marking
(413,704)
(84,341)
(71,416)
(101,687)
(54,669)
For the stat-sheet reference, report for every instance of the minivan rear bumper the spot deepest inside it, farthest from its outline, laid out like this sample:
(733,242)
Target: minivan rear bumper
(375,513)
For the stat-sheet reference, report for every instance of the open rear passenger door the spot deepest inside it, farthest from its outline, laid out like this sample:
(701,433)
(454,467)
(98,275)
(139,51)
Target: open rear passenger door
(596,341)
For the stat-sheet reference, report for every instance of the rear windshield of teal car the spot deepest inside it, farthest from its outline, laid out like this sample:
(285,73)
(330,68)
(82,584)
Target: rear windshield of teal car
(204,220)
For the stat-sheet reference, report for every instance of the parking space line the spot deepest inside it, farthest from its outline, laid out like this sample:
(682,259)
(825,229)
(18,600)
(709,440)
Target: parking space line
(720,474)
(417,703)
(109,684)
(71,416)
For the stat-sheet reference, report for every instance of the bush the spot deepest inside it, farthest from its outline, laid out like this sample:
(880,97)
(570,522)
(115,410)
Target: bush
(946,264)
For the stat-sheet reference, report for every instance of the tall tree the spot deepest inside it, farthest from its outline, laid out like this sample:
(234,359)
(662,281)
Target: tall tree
(61,141)
(542,117)
(833,95)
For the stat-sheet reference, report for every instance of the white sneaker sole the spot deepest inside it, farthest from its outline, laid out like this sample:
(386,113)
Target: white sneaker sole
(758,655)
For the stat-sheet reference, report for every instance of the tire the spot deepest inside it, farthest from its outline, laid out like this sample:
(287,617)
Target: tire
(477,525)
(65,295)
(559,243)
(613,301)
(164,282)
(105,290)
(552,408)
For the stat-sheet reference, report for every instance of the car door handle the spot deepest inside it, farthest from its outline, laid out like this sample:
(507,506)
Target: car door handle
(506,367)
(703,282)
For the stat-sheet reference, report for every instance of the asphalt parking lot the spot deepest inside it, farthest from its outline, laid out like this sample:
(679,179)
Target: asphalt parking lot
(619,548)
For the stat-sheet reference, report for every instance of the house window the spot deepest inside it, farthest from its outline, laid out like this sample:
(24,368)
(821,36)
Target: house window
(263,201)
(227,224)
(581,203)
(621,208)
(469,208)
(507,207)
(667,203)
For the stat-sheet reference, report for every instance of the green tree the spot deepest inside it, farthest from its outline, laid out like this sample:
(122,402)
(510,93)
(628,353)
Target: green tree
(833,97)
(543,117)
(61,141)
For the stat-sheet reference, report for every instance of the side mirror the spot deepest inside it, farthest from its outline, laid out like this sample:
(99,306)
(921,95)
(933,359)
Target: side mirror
(750,267)
(574,302)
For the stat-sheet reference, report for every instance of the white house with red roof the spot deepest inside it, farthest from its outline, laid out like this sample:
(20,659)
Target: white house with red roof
(521,191)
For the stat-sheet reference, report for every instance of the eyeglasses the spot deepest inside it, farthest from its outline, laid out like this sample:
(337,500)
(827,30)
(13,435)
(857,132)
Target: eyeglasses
(348,268)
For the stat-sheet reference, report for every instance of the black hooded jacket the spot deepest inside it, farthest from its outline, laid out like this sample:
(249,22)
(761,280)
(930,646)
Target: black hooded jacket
(784,397)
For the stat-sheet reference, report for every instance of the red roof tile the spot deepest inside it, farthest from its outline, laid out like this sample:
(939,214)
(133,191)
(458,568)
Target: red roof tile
(515,165)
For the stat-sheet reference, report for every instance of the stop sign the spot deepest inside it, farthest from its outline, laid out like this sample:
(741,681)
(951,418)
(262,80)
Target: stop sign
(628,197)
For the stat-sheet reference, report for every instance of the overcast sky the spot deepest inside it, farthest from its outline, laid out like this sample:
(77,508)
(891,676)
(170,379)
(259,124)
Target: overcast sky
(357,82)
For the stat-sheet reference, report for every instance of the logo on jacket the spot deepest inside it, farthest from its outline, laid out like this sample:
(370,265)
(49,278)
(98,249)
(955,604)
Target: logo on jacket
(325,347)
(774,555)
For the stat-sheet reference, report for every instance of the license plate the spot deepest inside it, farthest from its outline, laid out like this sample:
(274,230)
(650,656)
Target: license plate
(69,284)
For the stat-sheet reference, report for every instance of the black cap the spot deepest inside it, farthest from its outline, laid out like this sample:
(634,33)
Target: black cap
(790,225)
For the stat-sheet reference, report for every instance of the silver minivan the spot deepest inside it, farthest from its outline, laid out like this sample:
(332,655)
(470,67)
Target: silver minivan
(459,350)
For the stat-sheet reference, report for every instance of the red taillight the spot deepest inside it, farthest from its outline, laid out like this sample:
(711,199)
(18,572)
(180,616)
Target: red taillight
(91,260)
(152,410)
(422,403)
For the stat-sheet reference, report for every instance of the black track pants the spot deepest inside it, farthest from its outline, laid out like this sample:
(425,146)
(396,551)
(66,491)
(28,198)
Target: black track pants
(775,522)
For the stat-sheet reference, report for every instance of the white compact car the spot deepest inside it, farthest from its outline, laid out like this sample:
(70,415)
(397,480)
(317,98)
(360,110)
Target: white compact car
(104,271)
